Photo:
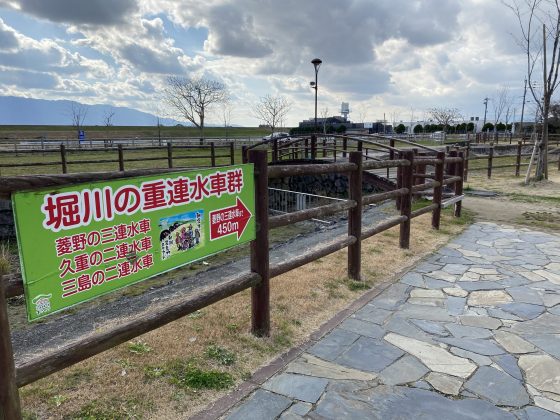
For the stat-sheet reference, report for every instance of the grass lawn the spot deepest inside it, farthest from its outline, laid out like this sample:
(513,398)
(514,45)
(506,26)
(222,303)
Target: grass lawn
(190,158)
(536,204)
(55,132)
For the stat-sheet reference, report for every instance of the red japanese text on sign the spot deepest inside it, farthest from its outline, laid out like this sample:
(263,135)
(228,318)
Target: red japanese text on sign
(73,209)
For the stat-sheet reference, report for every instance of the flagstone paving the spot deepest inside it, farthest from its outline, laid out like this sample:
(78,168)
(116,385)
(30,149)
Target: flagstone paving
(473,332)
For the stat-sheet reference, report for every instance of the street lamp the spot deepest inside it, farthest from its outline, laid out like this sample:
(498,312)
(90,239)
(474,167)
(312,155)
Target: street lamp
(316,63)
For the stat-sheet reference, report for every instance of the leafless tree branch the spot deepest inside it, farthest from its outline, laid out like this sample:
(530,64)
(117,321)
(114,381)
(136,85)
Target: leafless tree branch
(193,98)
(272,110)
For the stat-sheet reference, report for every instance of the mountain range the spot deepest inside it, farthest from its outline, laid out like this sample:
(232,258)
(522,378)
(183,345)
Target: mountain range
(29,111)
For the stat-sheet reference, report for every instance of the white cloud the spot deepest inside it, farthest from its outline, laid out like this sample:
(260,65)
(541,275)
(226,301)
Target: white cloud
(383,55)
(94,12)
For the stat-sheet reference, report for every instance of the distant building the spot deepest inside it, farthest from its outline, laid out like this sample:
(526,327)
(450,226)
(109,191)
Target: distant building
(337,121)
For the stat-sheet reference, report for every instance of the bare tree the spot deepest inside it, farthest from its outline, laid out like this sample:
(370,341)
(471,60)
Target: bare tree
(272,110)
(158,125)
(444,116)
(227,110)
(324,117)
(362,113)
(193,98)
(539,22)
(77,113)
(108,117)
(502,106)
(394,117)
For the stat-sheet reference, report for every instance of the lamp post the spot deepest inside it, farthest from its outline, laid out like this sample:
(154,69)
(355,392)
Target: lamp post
(316,63)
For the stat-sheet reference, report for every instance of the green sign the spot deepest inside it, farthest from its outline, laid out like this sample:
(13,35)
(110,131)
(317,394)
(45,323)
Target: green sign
(82,241)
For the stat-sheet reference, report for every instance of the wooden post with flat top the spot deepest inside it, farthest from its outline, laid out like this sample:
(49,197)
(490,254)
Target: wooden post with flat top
(260,294)
(438,191)
(355,217)
(63,160)
(406,200)
(169,155)
(10,408)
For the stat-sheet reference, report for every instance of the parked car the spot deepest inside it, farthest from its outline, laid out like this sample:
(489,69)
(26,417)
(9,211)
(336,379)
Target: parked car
(438,135)
(283,137)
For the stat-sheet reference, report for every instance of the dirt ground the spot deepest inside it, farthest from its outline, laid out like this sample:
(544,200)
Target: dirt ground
(536,204)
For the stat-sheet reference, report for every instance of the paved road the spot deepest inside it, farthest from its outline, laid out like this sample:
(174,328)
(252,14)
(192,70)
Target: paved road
(471,333)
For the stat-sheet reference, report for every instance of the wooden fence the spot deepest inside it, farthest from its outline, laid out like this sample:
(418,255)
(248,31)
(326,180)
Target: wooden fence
(448,171)
(338,147)
(43,144)
(213,152)
(509,138)
(491,157)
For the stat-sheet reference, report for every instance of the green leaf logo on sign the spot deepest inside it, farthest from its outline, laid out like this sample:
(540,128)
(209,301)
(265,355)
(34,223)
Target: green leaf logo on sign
(83,241)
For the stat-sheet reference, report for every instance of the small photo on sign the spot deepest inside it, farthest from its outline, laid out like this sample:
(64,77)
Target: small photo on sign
(181,233)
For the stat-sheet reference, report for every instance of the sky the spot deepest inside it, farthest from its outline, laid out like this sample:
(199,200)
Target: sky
(396,58)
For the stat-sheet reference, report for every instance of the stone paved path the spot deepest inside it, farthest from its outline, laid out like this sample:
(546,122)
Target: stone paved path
(471,333)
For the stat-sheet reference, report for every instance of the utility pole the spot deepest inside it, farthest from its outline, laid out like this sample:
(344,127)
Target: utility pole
(485,109)
(523,109)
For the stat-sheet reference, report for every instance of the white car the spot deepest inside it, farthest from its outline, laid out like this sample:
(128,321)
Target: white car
(278,135)
(438,135)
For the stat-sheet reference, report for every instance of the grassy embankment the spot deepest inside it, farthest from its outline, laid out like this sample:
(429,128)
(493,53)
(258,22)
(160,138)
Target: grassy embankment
(56,132)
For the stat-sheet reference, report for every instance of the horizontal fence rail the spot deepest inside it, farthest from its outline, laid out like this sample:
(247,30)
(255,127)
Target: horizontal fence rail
(121,155)
(448,171)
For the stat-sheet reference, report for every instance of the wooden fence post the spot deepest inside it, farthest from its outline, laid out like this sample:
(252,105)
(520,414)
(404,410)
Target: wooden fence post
(260,294)
(313,147)
(450,167)
(344,145)
(231,153)
(399,185)
(121,157)
(9,396)
(490,158)
(468,153)
(355,217)
(212,154)
(391,156)
(324,147)
(306,155)
(169,155)
(420,170)
(334,149)
(360,145)
(275,150)
(518,158)
(459,169)
(436,214)
(63,158)
(244,158)
(406,200)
